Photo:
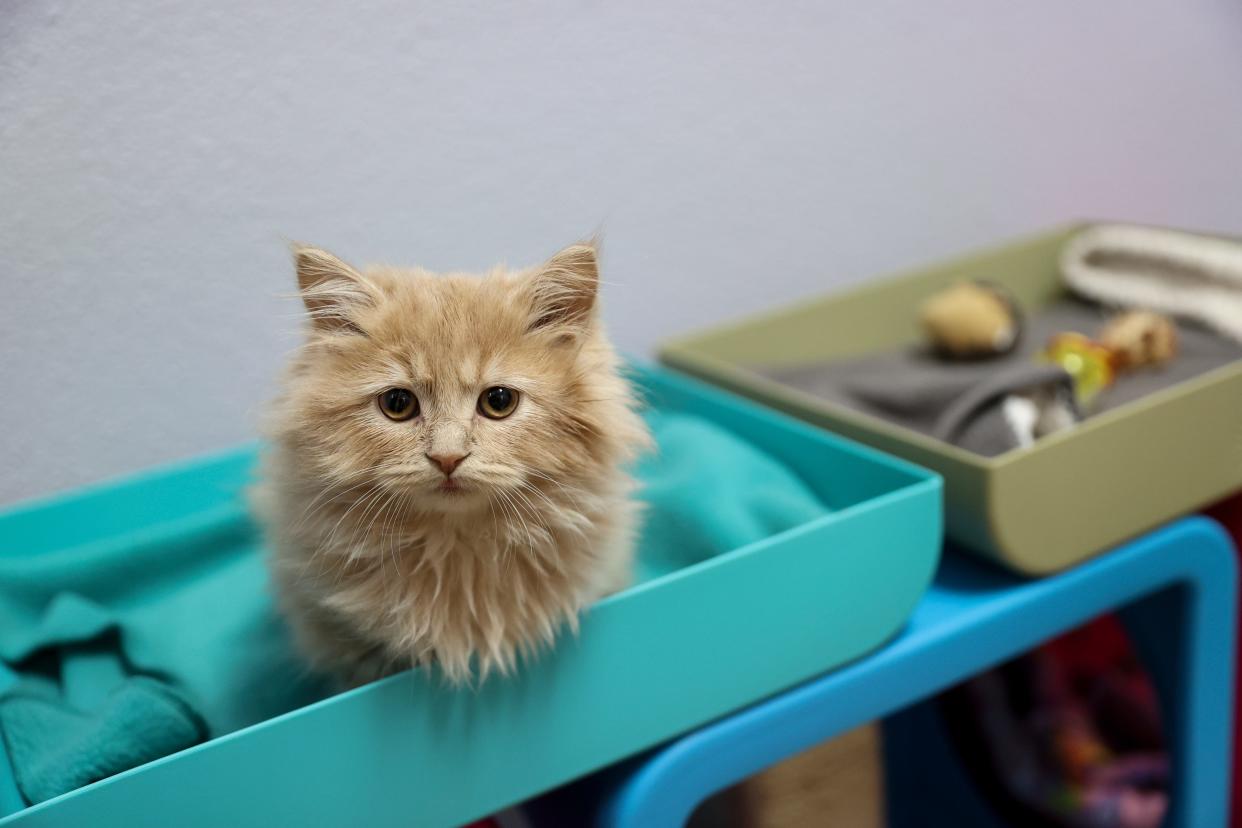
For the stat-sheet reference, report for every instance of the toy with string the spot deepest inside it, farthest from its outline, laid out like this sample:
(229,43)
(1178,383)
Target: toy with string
(1133,340)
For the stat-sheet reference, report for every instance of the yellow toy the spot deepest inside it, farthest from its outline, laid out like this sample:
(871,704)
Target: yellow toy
(1135,339)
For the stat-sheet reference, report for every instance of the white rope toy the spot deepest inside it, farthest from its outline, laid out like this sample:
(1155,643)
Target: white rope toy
(1174,272)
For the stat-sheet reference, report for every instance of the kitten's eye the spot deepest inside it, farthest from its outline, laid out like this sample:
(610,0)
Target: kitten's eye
(398,404)
(498,402)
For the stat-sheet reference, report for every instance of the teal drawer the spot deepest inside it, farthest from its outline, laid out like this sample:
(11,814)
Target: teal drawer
(680,648)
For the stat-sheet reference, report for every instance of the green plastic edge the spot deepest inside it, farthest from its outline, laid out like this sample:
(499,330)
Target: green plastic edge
(1035,510)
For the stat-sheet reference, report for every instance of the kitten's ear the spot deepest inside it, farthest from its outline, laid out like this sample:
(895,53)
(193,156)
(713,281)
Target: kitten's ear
(564,289)
(331,289)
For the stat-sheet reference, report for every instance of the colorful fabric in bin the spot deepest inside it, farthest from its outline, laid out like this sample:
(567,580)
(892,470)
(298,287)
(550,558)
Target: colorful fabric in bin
(1067,735)
(116,653)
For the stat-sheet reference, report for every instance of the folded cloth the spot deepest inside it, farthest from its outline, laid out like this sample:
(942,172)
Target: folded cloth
(964,403)
(130,648)
(66,733)
(55,748)
(708,492)
(1012,407)
(968,404)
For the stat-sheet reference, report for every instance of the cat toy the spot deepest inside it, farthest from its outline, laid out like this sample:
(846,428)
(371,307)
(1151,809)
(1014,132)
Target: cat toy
(1181,274)
(972,320)
(1135,339)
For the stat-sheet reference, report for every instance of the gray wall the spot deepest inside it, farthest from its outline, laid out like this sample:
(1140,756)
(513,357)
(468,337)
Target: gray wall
(155,158)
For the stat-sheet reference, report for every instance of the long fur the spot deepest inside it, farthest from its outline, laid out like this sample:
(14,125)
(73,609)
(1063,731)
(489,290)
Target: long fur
(376,567)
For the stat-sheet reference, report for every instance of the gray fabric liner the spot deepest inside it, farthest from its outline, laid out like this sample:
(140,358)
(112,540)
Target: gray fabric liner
(913,387)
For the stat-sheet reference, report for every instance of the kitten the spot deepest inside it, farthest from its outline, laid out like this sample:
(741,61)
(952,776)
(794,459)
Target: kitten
(446,473)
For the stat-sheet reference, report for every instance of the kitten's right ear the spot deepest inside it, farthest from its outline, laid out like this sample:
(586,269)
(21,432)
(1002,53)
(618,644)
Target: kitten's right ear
(331,290)
(564,288)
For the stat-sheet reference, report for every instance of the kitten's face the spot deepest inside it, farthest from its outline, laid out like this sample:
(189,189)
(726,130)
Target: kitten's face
(448,393)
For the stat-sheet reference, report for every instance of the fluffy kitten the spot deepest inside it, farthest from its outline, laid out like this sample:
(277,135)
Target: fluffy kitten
(445,480)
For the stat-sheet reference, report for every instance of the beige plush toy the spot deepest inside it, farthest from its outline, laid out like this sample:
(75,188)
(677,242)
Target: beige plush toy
(971,320)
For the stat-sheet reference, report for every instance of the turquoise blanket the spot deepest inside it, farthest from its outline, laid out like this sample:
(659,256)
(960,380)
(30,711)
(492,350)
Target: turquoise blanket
(115,654)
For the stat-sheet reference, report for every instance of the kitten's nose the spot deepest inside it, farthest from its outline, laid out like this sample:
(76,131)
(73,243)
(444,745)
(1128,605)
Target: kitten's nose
(447,462)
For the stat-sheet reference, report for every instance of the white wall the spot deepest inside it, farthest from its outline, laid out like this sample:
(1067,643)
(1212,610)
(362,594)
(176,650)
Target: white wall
(155,157)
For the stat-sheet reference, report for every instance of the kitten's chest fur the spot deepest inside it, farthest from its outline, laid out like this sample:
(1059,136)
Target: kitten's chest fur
(375,595)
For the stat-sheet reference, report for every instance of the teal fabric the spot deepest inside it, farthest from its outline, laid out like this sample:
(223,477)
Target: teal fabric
(61,734)
(125,652)
(55,747)
(708,492)
(117,653)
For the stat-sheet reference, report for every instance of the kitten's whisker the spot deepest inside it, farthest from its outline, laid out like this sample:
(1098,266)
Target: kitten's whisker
(306,512)
(563,486)
(524,486)
(384,534)
(530,538)
(380,503)
(392,549)
(545,532)
(367,497)
(335,488)
(504,548)
(570,492)
(505,508)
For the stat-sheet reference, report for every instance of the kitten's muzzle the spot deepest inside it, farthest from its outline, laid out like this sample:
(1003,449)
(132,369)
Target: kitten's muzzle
(447,463)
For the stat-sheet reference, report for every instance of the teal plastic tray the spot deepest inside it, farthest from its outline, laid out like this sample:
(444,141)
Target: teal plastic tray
(650,663)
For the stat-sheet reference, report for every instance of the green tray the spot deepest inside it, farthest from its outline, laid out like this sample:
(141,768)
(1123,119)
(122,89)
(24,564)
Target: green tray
(1035,510)
(654,661)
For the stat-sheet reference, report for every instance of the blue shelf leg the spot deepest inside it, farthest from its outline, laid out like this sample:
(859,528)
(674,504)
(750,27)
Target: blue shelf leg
(1187,649)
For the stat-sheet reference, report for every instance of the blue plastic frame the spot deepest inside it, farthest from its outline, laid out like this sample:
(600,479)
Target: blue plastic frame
(1176,588)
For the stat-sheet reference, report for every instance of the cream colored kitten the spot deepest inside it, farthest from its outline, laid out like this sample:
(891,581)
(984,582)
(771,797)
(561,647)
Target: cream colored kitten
(445,480)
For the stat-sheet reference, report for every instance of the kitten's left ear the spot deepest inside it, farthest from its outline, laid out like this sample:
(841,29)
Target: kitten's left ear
(564,289)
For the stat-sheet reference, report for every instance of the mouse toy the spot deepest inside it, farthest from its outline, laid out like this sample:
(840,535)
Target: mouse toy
(971,320)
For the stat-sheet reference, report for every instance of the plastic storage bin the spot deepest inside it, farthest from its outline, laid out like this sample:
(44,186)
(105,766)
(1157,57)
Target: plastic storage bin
(1034,510)
(651,662)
